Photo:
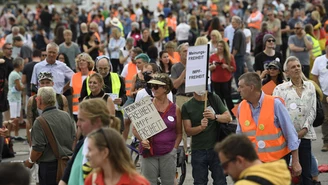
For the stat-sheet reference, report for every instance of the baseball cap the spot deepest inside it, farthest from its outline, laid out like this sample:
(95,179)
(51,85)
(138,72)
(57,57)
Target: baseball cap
(45,76)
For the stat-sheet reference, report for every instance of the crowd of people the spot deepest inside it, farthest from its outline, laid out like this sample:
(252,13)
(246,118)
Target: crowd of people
(70,72)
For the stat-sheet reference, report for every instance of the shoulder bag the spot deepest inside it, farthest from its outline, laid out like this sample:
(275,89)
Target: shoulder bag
(62,161)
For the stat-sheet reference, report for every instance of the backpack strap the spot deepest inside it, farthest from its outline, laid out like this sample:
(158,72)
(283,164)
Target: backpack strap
(51,139)
(149,92)
(257,179)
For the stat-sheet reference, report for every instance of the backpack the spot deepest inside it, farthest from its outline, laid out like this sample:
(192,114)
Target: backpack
(192,37)
(4,105)
(320,116)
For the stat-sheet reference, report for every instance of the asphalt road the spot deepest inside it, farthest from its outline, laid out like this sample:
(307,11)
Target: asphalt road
(22,151)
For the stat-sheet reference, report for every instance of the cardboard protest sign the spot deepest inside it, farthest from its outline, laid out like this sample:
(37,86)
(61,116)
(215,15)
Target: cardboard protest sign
(196,68)
(269,87)
(145,118)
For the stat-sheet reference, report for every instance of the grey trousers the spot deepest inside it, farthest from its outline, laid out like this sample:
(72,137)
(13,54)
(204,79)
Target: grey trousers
(163,167)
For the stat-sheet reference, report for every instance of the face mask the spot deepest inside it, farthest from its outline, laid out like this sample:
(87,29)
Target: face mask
(147,76)
(200,93)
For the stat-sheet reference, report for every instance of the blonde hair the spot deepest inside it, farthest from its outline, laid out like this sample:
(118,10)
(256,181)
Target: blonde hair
(316,15)
(87,58)
(118,156)
(116,32)
(226,53)
(67,31)
(201,41)
(217,34)
(99,78)
(97,108)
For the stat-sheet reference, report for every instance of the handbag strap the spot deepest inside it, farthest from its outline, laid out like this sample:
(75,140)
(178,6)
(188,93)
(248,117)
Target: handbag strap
(51,139)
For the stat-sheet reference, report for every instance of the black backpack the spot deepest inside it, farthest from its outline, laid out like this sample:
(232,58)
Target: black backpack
(7,151)
(320,113)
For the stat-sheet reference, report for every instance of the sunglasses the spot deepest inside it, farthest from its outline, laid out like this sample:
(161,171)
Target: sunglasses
(225,164)
(9,48)
(271,40)
(297,28)
(44,55)
(101,130)
(156,86)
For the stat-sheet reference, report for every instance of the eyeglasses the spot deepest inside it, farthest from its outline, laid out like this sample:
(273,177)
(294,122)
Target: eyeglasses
(225,164)
(156,86)
(101,130)
(271,40)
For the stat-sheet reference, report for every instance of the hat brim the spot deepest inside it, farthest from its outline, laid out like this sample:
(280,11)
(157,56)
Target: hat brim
(45,79)
(156,82)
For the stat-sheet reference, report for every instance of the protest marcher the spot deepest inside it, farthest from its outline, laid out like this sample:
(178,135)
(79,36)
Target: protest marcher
(239,160)
(63,134)
(251,121)
(108,152)
(95,83)
(61,73)
(93,114)
(301,107)
(202,126)
(161,160)
(70,48)
(15,88)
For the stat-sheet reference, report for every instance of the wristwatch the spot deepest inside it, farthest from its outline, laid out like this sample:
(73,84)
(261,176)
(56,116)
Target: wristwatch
(30,161)
(217,117)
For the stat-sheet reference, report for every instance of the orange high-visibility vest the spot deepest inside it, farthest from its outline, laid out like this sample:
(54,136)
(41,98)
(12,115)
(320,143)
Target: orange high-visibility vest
(77,86)
(214,9)
(172,22)
(257,24)
(175,58)
(132,70)
(268,140)
(133,17)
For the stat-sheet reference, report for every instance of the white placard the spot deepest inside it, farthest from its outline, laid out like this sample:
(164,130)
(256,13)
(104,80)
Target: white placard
(145,118)
(196,68)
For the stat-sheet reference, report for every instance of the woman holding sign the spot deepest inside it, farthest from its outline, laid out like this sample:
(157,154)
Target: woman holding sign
(160,151)
(222,67)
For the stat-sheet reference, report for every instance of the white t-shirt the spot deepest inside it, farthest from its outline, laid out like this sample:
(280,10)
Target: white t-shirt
(247,33)
(143,93)
(125,70)
(320,69)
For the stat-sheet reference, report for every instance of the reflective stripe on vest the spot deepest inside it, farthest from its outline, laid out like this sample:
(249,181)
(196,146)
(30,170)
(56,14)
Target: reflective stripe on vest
(316,50)
(77,86)
(132,70)
(257,24)
(268,140)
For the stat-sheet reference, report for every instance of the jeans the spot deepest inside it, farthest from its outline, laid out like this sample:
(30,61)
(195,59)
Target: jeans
(314,166)
(48,173)
(305,154)
(204,160)
(239,67)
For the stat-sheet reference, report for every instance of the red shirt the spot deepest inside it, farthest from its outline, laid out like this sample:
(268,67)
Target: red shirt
(125,180)
(219,74)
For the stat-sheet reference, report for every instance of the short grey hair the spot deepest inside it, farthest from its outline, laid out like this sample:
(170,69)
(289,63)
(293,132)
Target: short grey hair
(300,23)
(17,62)
(237,19)
(53,45)
(289,59)
(47,96)
(15,29)
(182,45)
(130,40)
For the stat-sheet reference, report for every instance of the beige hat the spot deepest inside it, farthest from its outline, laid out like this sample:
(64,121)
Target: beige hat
(115,22)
